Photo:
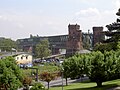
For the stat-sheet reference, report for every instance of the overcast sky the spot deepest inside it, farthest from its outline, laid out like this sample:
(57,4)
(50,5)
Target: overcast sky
(20,18)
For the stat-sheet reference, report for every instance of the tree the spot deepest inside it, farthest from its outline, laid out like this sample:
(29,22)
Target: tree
(103,47)
(10,74)
(47,76)
(76,66)
(104,66)
(27,81)
(98,66)
(114,33)
(66,71)
(97,72)
(42,49)
(7,44)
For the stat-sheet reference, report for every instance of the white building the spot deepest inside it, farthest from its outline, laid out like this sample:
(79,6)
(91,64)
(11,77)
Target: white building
(23,58)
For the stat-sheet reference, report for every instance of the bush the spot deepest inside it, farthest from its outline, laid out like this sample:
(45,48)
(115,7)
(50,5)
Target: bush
(11,75)
(27,81)
(38,86)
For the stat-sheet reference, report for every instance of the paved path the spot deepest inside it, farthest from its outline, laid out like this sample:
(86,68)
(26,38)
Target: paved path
(58,82)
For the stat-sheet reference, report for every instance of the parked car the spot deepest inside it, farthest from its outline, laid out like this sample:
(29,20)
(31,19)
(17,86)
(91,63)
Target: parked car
(25,65)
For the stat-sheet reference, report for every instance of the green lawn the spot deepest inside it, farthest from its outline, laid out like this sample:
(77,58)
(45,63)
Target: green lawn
(88,86)
(45,68)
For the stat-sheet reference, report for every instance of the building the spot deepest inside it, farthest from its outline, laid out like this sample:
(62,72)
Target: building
(56,43)
(23,58)
(75,40)
(98,35)
(87,40)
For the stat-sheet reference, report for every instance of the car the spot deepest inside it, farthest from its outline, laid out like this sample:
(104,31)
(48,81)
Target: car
(61,61)
(25,65)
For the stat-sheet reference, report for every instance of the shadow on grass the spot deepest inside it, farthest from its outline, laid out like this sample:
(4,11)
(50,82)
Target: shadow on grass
(86,81)
(104,87)
(59,85)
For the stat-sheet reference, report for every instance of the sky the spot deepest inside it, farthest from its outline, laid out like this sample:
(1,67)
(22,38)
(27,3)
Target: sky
(20,18)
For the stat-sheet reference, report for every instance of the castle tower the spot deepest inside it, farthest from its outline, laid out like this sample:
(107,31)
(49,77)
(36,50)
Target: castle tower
(74,42)
(97,35)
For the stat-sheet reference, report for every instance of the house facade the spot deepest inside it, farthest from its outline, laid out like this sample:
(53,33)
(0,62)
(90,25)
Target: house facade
(24,58)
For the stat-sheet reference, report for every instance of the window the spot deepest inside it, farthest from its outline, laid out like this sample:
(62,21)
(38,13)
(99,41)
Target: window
(17,58)
(30,40)
(26,57)
(21,57)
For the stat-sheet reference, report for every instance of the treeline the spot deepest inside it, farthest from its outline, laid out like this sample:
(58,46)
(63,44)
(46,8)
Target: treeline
(7,44)
(98,66)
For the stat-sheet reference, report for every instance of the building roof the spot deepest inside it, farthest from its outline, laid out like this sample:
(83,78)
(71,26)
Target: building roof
(6,54)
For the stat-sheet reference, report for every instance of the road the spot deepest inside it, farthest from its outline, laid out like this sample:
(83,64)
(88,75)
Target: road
(58,82)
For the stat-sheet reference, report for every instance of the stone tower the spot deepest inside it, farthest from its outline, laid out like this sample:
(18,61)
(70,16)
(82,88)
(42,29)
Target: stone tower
(98,36)
(74,42)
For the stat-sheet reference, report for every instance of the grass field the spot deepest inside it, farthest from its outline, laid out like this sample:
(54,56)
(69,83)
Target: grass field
(89,86)
(45,68)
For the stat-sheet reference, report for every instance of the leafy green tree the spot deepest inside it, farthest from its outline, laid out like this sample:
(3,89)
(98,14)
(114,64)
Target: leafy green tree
(7,44)
(73,69)
(103,47)
(76,66)
(97,72)
(104,66)
(10,74)
(98,66)
(113,64)
(66,71)
(83,65)
(117,69)
(42,49)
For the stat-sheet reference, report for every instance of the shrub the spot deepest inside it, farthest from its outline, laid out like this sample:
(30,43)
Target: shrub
(38,86)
